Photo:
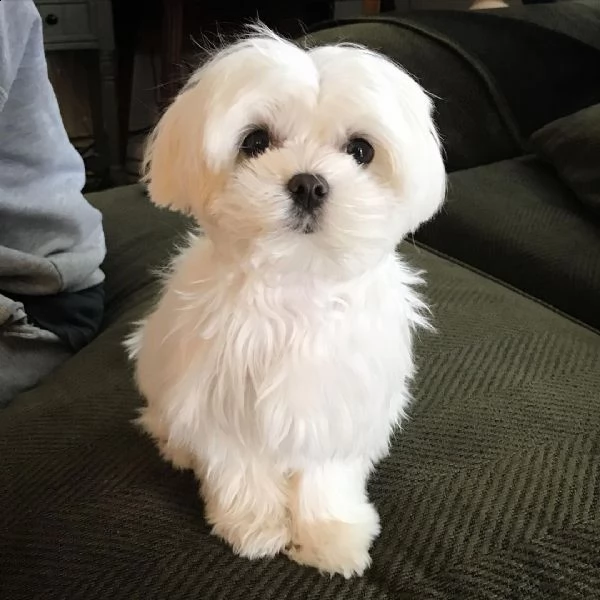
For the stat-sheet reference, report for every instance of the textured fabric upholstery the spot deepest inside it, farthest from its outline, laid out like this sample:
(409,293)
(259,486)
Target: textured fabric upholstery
(490,490)
(518,222)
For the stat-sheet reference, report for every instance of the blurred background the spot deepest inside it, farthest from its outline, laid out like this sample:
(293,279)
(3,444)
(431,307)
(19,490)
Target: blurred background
(115,64)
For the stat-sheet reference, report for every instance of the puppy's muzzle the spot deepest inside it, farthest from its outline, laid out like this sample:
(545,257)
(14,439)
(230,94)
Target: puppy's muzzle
(308,191)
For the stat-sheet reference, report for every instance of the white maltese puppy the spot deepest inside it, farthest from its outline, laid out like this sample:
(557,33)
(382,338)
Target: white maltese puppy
(278,359)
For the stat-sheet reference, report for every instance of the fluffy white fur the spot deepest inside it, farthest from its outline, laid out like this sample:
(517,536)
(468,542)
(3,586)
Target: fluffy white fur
(277,363)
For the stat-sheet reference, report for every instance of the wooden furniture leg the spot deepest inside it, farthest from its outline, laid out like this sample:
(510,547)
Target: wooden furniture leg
(371,7)
(108,90)
(127,27)
(172,43)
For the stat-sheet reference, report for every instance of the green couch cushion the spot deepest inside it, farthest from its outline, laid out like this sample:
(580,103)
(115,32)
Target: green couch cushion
(572,146)
(491,491)
(140,240)
(542,70)
(518,222)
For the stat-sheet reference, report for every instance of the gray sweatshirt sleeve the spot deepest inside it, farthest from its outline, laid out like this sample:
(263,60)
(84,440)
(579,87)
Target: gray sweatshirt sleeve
(51,239)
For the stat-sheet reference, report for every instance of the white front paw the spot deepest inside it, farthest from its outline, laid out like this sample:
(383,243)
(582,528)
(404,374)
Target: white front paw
(334,546)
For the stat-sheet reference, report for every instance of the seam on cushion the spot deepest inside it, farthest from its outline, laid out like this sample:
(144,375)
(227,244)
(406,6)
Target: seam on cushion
(506,285)
(495,95)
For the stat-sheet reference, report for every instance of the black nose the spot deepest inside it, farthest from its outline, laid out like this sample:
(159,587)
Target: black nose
(308,191)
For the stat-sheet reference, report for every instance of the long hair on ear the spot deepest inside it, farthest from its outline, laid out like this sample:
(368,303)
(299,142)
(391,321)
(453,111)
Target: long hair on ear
(162,163)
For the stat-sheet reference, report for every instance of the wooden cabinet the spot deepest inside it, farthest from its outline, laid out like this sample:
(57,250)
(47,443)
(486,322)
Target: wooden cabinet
(87,26)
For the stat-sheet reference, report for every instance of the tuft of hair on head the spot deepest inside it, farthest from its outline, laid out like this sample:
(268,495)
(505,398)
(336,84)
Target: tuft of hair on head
(254,34)
(216,43)
(258,29)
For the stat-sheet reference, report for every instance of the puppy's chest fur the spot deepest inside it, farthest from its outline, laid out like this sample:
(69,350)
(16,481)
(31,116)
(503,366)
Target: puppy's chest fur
(293,365)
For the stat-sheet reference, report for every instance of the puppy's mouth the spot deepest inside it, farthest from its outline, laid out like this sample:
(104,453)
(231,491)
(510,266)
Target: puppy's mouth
(303,221)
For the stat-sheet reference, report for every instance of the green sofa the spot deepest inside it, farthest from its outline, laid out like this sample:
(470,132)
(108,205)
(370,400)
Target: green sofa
(492,489)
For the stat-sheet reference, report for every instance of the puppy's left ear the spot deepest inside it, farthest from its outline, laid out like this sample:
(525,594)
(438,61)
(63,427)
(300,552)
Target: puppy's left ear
(425,177)
(431,180)
(418,161)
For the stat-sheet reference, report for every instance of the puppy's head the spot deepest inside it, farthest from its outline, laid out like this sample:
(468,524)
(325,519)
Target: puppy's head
(278,151)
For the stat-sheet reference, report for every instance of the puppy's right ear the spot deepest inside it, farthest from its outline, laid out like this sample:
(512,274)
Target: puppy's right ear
(163,169)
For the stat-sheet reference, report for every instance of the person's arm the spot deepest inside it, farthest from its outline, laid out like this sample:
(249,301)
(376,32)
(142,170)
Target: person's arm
(51,239)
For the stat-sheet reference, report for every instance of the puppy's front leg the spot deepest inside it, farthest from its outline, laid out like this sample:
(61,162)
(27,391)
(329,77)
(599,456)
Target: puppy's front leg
(246,503)
(333,523)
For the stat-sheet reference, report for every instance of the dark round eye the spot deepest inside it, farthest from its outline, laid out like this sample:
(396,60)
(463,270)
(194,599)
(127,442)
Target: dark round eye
(256,142)
(360,150)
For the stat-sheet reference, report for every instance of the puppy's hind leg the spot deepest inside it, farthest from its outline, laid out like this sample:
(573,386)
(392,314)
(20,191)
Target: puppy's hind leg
(179,457)
(246,503)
